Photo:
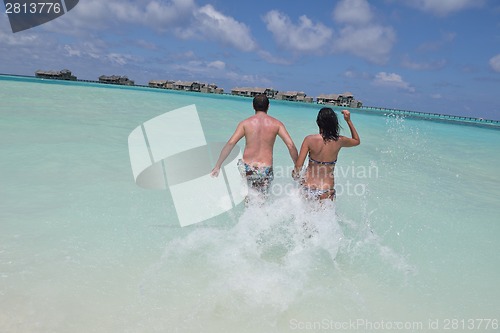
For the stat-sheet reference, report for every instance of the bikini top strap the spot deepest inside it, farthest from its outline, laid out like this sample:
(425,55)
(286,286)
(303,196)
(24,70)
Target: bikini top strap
(321,162)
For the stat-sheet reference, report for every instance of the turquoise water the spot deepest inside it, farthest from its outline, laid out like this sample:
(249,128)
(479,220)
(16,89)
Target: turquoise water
(412,241)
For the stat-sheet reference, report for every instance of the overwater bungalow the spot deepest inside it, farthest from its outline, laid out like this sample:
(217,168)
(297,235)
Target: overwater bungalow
(211,89)
(64,74)
(252,92)
(187,85)
(346,99)
(160,84)
(296,96)
(115,79)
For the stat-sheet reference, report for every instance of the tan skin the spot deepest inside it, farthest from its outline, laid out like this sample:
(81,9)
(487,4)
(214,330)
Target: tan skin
(260,131)
(320,176)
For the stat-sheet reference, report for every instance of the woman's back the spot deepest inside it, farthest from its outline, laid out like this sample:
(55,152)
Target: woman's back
(322,150)
(322,158)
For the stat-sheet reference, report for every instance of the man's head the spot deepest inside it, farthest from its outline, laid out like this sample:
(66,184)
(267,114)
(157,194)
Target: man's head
(261,103)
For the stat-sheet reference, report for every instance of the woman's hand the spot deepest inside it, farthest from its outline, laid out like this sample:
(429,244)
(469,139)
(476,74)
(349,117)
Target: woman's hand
(354,141)
(347,115)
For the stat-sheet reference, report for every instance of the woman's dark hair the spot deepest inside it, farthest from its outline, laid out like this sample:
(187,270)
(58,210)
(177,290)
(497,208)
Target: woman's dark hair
(328,124)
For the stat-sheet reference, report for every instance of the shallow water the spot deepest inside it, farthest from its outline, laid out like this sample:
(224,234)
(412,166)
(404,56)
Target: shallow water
(411,241)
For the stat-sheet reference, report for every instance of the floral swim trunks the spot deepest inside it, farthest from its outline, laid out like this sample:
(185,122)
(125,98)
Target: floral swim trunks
(258,178)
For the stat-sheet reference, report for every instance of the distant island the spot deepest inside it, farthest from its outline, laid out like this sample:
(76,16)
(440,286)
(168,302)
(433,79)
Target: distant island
(345,99)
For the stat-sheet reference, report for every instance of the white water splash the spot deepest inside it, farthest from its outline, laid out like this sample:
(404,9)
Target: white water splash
(272,262)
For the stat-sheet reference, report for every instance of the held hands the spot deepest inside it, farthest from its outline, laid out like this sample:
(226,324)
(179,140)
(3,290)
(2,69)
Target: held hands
(215,172)
(347,115)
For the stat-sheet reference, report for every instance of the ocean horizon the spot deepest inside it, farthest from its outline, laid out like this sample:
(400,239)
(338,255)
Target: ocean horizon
(477,121)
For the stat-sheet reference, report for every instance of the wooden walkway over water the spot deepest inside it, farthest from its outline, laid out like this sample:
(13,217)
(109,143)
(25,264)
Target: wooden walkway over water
(433,116)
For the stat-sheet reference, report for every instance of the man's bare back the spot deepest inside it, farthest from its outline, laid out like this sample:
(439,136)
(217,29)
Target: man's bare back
(260,131)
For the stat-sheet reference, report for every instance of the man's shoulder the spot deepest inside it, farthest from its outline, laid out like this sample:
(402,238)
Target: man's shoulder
(274,120)
(248,121)
(267,118)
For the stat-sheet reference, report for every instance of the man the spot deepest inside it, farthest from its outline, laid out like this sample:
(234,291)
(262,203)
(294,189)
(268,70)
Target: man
(260,131)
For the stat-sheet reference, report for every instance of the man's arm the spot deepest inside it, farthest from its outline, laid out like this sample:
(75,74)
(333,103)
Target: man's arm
(228,147)
(283,134)
(354,141)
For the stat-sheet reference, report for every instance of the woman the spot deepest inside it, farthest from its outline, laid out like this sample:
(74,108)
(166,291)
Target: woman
(323,149)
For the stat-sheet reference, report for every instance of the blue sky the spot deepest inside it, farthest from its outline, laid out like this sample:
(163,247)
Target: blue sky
(438,56)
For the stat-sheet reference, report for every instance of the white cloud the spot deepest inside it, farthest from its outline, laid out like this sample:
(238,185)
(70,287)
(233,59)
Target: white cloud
(220,65)
(197,68)
(119,59)
(350,74)
(214,25)
(158,14)
(155,14)
(126,12)
(97,15)
(248,79)
(305,36)
(353,12)
(444,7)
(217,70)
(88,49)
(97,51)
(357,75)
(495,63)
(360,35)
(180,17)
(392,80)
(273,59)
(25,39)
(373,43)
(72,52)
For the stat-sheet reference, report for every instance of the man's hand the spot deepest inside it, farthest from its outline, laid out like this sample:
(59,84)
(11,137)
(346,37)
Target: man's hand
(215,172)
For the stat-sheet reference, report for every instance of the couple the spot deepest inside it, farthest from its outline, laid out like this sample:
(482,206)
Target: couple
(260,132)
